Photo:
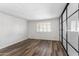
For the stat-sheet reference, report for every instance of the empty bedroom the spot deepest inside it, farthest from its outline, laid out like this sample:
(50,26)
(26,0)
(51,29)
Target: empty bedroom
(39,29)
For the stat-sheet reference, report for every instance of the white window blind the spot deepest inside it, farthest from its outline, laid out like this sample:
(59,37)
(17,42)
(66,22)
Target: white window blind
(43,27)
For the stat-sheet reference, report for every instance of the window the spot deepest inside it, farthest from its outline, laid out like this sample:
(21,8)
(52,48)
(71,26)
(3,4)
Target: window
(43,27)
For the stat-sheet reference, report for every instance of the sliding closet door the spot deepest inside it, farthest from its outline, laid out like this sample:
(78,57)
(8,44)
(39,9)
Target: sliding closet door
(64,29)
(73,29)
(70,29)
(60,29)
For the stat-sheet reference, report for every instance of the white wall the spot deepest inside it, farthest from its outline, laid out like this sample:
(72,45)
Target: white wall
(12,30)
(53,35)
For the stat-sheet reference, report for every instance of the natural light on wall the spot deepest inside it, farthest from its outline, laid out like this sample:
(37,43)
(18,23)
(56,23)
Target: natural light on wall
(43,27)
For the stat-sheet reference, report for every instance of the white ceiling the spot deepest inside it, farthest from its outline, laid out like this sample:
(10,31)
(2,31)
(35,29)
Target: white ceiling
(33,11)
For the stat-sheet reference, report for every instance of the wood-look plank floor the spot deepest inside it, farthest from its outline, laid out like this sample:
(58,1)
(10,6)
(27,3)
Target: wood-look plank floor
(32,47)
